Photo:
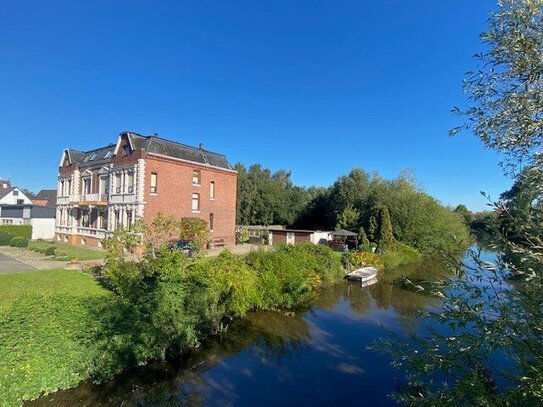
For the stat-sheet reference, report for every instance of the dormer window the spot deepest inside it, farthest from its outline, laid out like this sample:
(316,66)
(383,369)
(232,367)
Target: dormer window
(126,150)
(108,154)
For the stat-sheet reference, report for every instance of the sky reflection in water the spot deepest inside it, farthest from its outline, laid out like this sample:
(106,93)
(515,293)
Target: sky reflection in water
(317,358)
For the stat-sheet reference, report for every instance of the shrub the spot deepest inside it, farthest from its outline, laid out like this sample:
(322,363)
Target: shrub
(60,253)
(232,283)
(5,238)
(18,242)
(288,275)
(49,251)
(367,259)
(283,280)
(399,254)
(24,231)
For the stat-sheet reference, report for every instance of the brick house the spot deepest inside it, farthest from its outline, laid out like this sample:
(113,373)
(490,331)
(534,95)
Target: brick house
(138,177)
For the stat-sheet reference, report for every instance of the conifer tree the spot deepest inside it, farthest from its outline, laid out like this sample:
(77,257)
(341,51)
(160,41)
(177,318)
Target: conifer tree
(386,234)
(372,229)
(362,238)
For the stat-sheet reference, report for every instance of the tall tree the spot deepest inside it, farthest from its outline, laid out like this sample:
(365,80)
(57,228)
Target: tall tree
(373,227)
(362,238)
(484,313)
(386,234)
(348,219)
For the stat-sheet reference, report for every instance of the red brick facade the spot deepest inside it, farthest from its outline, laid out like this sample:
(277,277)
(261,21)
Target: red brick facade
(174,191)
(120,189)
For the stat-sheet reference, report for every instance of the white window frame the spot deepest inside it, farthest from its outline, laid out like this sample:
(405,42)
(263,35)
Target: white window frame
(212,190)
(195,199)
(196,177)
(153,186)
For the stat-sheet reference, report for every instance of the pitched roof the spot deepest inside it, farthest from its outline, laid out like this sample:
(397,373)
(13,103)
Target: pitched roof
(153,145)
(343,232)
(174,149)
(50,195)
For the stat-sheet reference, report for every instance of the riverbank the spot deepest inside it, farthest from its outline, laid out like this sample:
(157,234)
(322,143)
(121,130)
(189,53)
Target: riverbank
(61,327)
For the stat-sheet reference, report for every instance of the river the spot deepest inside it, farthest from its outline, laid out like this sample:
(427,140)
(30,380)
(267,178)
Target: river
(316,357)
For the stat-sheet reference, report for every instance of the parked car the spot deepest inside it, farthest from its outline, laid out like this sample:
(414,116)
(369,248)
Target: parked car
(187,246)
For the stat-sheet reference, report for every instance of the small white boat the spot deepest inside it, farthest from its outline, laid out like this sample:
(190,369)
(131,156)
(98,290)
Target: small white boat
(369,282)
(363,274)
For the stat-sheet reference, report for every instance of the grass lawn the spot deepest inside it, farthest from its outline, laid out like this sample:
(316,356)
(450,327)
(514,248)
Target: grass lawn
(46,329)
(72,251)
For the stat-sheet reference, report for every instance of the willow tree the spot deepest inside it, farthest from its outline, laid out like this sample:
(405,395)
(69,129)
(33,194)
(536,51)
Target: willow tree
(483,315)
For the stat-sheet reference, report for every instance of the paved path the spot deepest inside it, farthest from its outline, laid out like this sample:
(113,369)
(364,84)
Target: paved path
(10,265)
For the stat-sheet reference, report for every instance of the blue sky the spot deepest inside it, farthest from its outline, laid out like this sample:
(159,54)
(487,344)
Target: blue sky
(318,87)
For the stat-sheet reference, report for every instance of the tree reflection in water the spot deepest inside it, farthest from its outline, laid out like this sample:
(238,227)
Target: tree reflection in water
(269,338)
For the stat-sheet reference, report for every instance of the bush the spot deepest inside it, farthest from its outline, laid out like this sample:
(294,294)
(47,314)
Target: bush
(5,238)
(399,254)
(49,251)
(367,259)
(18,242)
(231,282)
(24,231)
(288,275)
(60,253)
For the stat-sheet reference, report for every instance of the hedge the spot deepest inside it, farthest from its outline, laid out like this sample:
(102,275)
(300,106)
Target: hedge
(24,231)
(5,238)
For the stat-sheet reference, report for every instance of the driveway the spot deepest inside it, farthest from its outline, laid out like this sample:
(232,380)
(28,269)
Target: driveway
(10,265)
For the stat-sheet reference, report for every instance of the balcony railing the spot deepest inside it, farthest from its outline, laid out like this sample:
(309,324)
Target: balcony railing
(89,198)
(92,232)
(122,198)
(63,200)
(63,229)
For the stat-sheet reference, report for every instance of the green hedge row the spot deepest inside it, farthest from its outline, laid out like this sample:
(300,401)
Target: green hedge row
(5,238)
(24,231)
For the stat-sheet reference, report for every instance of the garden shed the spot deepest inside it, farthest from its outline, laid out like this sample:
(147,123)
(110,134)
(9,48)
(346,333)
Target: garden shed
(292,236)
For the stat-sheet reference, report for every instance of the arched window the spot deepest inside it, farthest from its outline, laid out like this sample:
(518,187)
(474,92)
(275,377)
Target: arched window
(196,177)
(195,202)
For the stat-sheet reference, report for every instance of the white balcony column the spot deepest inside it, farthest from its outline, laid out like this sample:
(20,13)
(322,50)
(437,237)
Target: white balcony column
(140,187)
(111,218)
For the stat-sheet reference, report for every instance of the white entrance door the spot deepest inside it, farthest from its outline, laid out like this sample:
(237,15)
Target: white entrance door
(290,238)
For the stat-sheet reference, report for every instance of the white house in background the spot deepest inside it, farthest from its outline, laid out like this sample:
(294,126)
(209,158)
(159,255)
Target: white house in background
(42,219)
(12,195)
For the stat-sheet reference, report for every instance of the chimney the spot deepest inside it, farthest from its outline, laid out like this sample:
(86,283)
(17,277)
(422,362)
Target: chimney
(201,146)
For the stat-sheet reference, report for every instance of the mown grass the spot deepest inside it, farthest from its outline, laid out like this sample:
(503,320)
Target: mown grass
(72,251)
(47,326)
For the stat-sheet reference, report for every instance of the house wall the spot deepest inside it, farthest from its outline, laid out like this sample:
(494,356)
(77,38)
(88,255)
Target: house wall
(321,237)
(175,189)
(43,228)
(11,199)
(11,221)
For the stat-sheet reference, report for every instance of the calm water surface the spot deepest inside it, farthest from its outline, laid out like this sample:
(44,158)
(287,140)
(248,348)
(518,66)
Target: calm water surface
(316,357)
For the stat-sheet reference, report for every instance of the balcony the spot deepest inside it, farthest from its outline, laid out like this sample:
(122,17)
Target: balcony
(89,199)
(63,229)
(63,200)
(122,198)
(92,232)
